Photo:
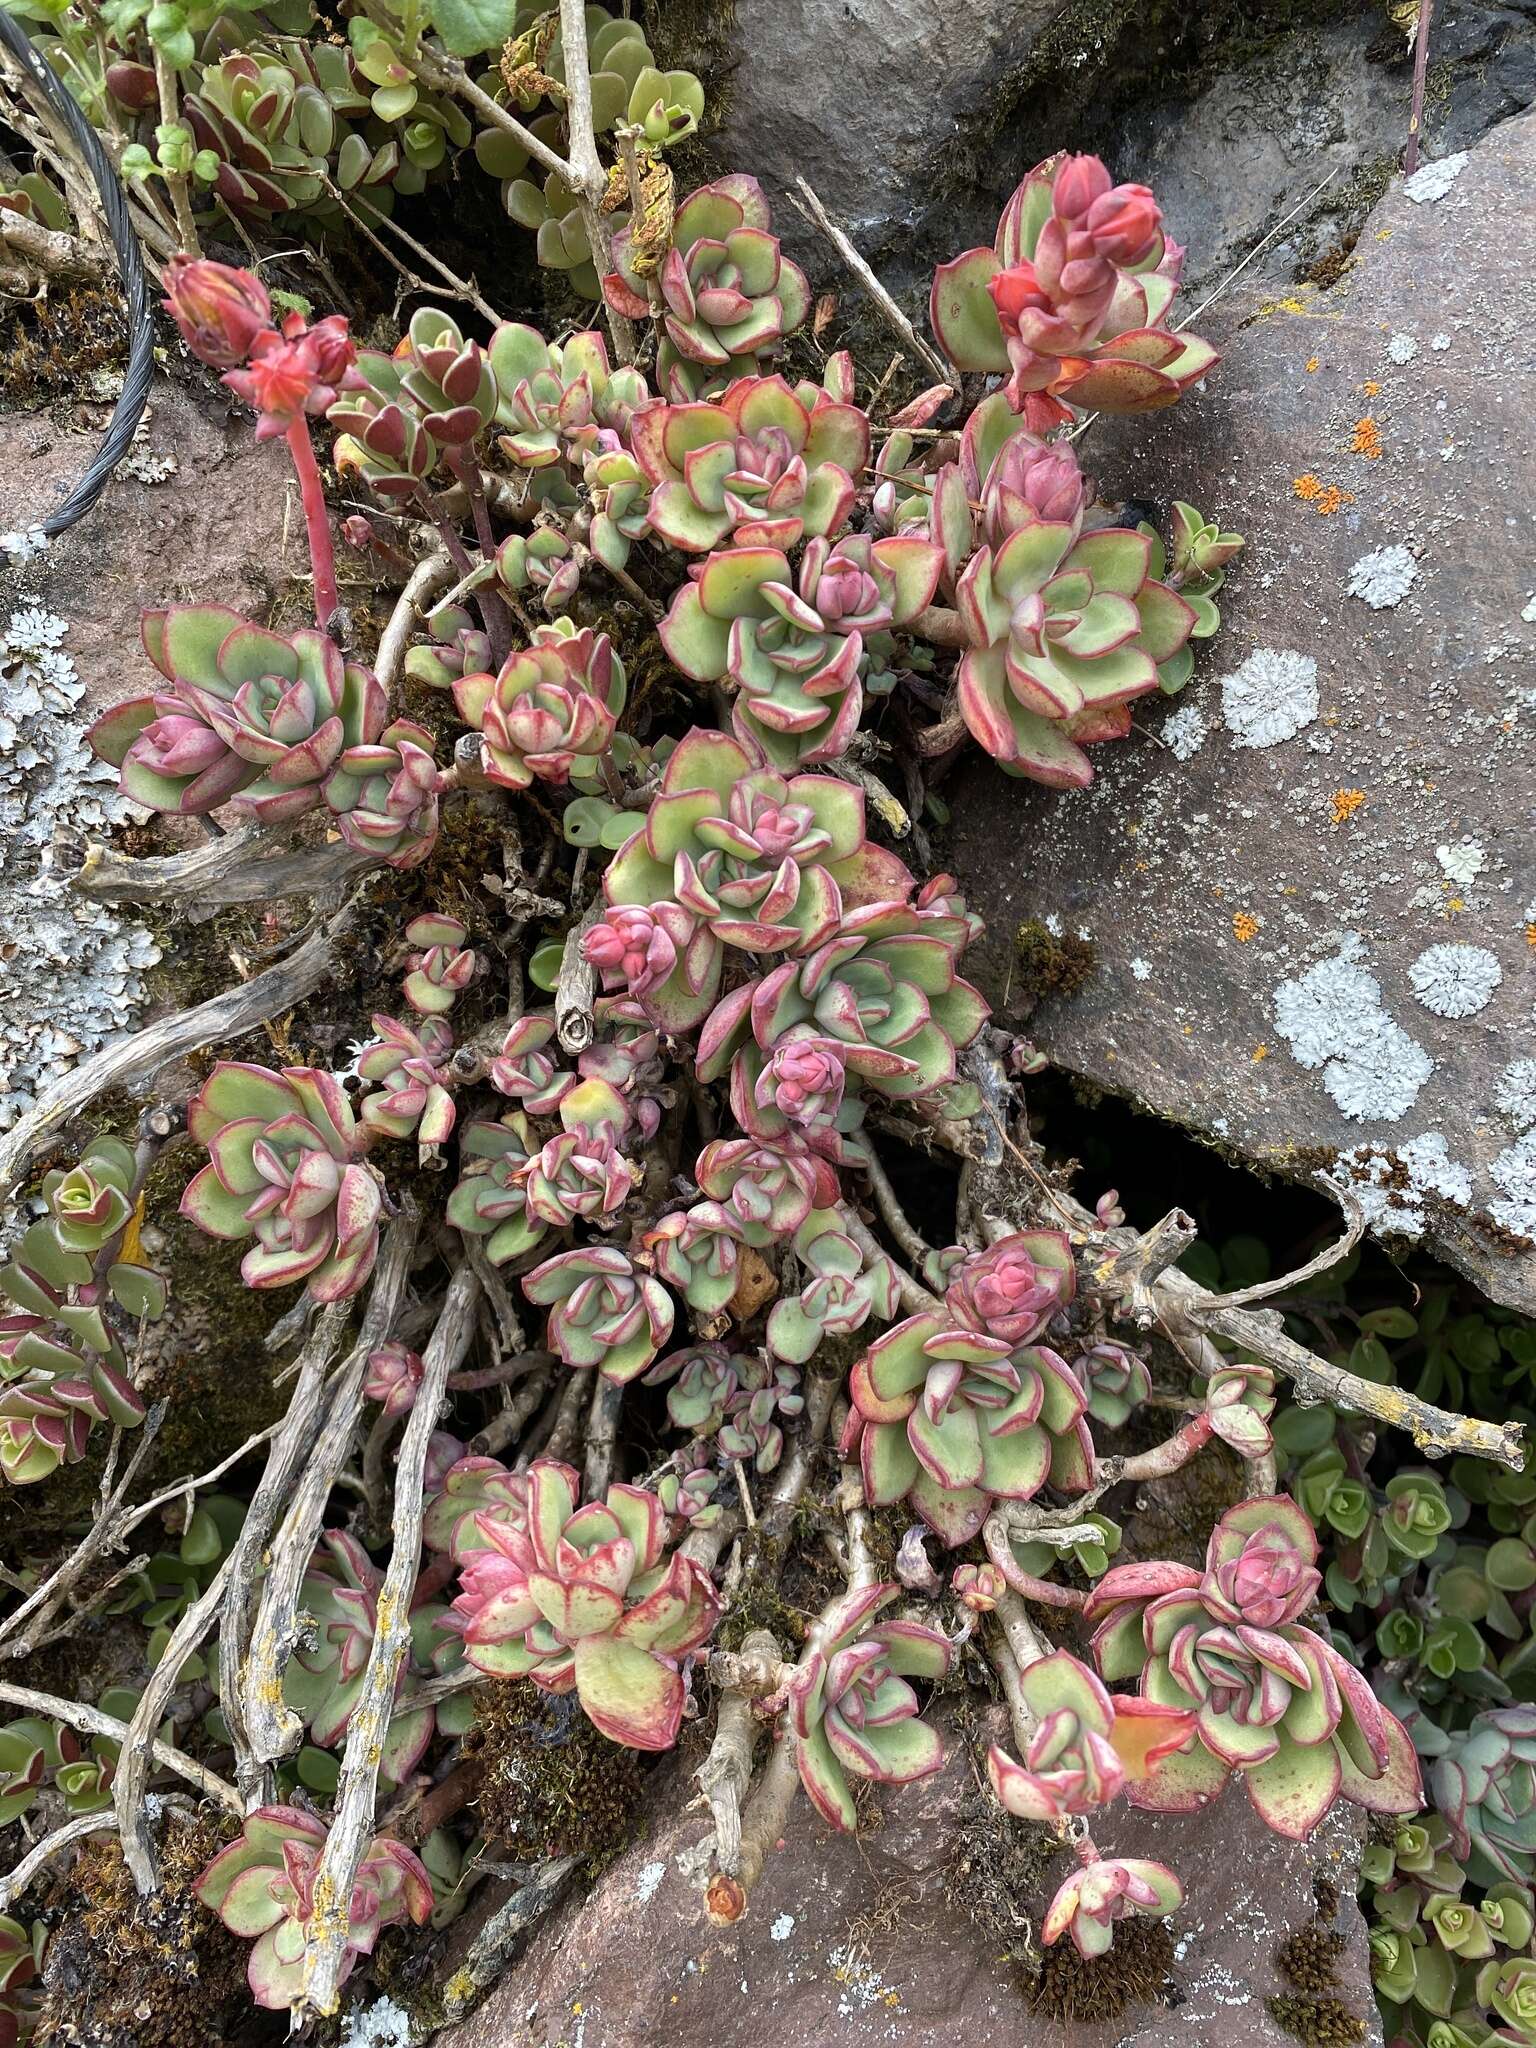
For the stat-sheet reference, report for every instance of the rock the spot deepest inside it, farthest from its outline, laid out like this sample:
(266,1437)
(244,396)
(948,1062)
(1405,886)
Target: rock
(867,1940)
(1308,883)
(1233,112)
(72,971)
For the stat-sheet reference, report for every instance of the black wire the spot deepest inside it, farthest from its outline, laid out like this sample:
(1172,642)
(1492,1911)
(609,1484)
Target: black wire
(129,409)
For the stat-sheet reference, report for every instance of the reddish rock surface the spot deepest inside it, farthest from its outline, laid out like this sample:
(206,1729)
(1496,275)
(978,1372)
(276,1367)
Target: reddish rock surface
(860,1939)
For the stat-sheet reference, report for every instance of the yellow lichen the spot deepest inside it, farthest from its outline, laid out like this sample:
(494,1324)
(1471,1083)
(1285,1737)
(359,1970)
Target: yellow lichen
(1344,803)
(1244,926)
(1366,439)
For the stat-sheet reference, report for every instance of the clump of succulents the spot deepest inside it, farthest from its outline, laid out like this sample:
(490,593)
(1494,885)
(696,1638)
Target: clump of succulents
(851,1708)
(586,1597)
(74,1285)
(1087,1744)
(603,1311)
(1071,299)
(263,1887)
(408,1097)
(843,1289)
(1485,1786)
(950,1419)
(1278,1706)
(285,1166)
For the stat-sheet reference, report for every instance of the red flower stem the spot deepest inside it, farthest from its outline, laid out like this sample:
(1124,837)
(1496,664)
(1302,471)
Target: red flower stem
(1085,1849)
(317,522)
(1000,1550)
(1168,1456)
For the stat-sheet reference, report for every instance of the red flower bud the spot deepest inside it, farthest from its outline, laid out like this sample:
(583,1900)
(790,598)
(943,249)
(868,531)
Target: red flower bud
(220,310)
(1124,223)
(1080,181)
(1014,291)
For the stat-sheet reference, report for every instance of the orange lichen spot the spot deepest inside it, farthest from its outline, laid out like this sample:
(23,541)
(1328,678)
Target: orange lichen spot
(1260,1052)
(1370,387)
(1308,486)
(1344,803)
(1530,936)
(1366,439)
(1323,498)
(1313,363)
(1245,926)
(1453,904)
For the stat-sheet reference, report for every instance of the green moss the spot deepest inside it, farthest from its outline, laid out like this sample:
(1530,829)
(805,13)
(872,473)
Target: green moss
(1074,1988)
(1320,2022)
(128,1972)
(1050,964)
(1309,1958)
(757,1603)
(550,1785)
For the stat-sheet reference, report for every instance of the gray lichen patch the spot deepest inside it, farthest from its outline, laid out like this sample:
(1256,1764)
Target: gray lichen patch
(1455,981)
(71,971)
(1271,698)
(1332,1017)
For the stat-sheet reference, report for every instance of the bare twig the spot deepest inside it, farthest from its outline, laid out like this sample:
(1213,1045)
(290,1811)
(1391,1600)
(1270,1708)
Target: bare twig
(576,985)
(587,178)
(430,575)
(602,1430)
(755,1671)
(810,205)
(223,1016)
(51,253)
(92,1721)
(1420,70)
(497,1941)
(1354,1220)
(242,866)
(14,1882)
(290,1448)
(273,1729)
(352,1826)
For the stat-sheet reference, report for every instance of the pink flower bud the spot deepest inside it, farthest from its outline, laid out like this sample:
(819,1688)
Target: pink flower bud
(1014,291)
(394,1378)
(1267,1584)
(220,310)
(1080,182)
(1124,223)
(175,745)
(804,1082)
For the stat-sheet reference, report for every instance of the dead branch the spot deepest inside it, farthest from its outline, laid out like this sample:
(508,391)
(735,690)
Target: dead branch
(92,1721)
(496,1943)
(811,207)
(273,1729)
(353,1822)
(915,1297)
(602,1432)
(897,1222)
(1354,1218)
(430,576)
(52,254)
(290,1447)
(238,867)
(576,986)
(753,1672)
(169,1038)
(13,1884)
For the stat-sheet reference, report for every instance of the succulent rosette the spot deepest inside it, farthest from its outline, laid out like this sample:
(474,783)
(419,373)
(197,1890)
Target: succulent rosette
(1063,633)
(250,714)
(448,380)
(385,795)
(883,989)
(698,1251)
(1485,1787)
(769,1190)
(404,1065)
(729,293)
(791,642)
(91,1201)
(491,1198)
(551,709)
(843,1289)
(585,1597)
(523,1068)
(556,397)
(443,967)
(1013,1288)
(1087,1743)
(1104,1891)
(1014,477)
(394,1378)
(758,467)
(1277,1705)
(752,1431)
(284,1167)
(852,1710)
(705,1379)
(469,1488)
(950,1419)
(602,1311)
(757,860)
(263,1888)
(1071,299)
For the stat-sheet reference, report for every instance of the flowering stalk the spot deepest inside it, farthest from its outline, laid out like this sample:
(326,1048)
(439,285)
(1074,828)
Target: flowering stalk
(317,521)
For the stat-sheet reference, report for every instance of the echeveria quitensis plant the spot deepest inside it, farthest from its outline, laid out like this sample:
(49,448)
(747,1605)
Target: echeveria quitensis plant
(550,710)
(1071,299)
(1088,1743)
(792,641)
(405,1066)
(1277,1705)
(729,293)
(1013,1288)
(1104,1891)
(603,1312)
(757,467)
(851,1707)
(443,965)
(285,1166)
(586,1597)
(263,1888)
(842,1289)
(246,713)
(1485,1786)
(949,1419)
